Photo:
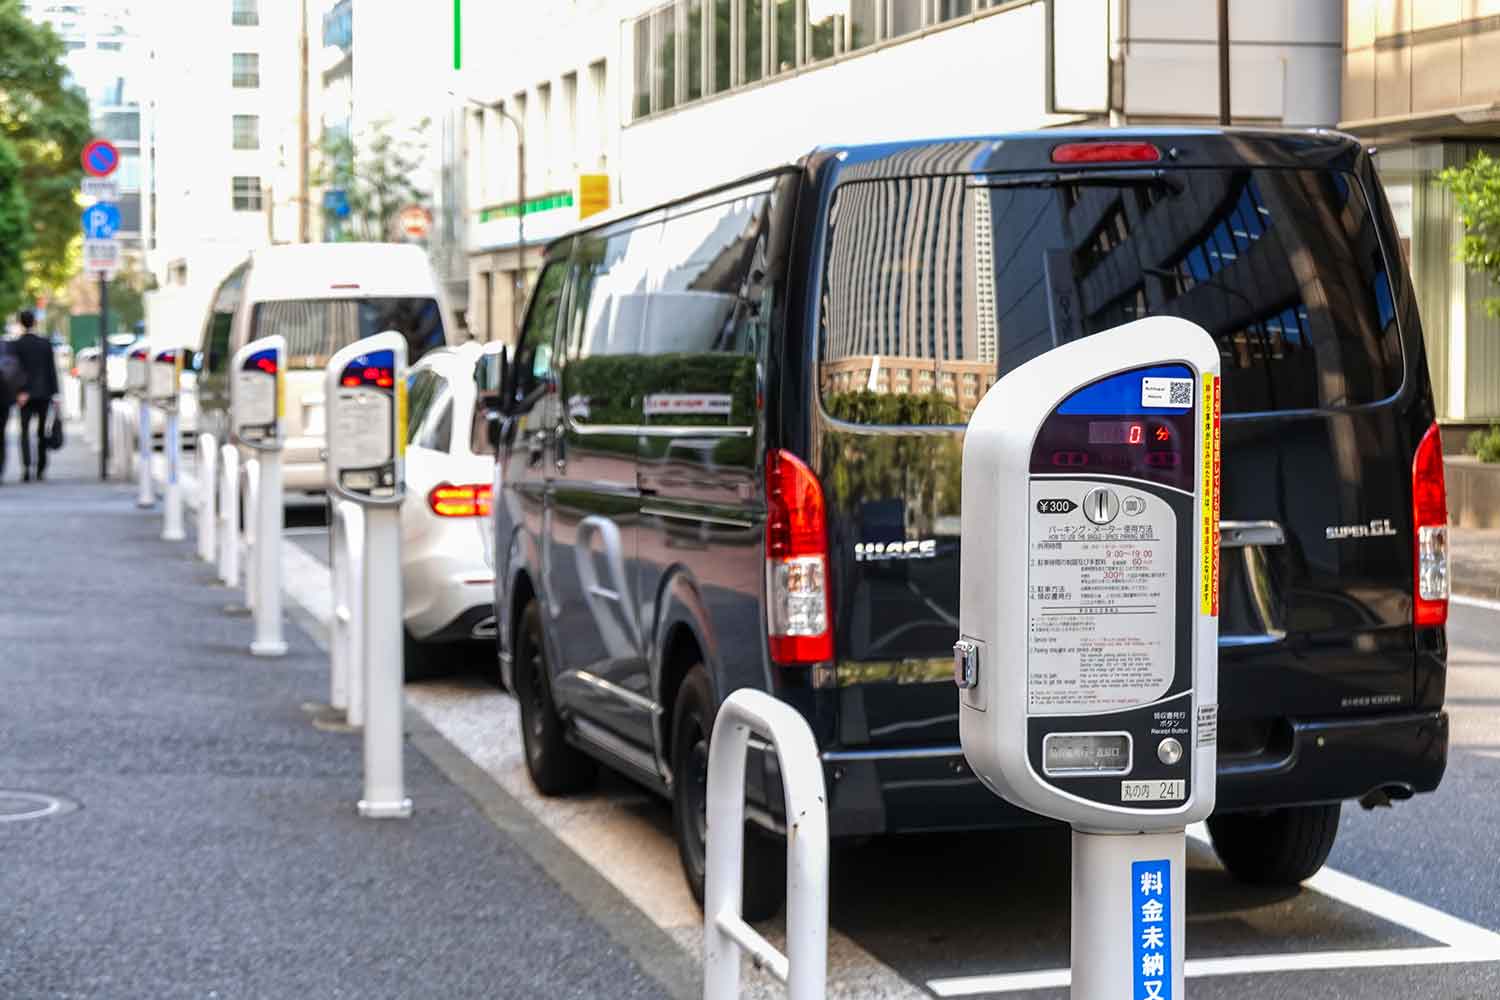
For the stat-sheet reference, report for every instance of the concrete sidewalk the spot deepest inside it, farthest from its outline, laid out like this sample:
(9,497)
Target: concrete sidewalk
(1476,562)
(215,850)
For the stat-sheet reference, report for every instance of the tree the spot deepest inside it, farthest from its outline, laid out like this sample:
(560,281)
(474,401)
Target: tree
(46,120)
(1476,189)
(376,176)
(15,230)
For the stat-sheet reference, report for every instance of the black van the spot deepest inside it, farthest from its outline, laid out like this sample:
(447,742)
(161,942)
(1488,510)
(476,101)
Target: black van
(732,459)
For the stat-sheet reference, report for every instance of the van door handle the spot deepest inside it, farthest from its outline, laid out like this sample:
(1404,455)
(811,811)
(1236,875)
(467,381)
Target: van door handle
(1241,534)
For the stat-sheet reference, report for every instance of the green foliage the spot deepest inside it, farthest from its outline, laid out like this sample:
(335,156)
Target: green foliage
(15,230)
(46,121)
(888,408)
(1486,443)
(1476,189)
(376,176)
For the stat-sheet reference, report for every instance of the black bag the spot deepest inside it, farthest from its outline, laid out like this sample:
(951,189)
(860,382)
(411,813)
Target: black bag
(12,375)
(55,427)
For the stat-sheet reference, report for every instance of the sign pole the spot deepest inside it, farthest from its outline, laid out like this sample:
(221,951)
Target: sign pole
(103,377)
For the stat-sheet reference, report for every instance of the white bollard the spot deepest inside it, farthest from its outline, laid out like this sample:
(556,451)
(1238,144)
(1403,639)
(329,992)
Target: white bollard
(385,786)
(229,516)
(346,675)
(267,557)
(208,521)
(251,493)
(804,967)
(91,413)
(145,494)
(173,529)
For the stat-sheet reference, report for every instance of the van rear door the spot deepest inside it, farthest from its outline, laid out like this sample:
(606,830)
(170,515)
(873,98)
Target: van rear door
(933,287)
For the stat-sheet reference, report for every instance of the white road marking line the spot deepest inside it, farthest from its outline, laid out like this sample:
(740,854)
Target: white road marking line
(1461,942)
(1475,602)
(1198,968)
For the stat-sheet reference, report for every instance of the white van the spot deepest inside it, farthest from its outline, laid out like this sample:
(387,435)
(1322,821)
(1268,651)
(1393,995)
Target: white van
(321,297)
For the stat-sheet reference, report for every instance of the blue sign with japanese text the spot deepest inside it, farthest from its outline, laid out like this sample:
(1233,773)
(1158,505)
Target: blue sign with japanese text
(1151,929)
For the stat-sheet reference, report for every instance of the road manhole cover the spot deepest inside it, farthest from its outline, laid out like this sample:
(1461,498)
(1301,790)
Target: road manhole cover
(17,806)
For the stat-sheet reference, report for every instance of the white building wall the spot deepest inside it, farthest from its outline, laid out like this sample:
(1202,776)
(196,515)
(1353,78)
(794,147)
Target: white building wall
(199,233)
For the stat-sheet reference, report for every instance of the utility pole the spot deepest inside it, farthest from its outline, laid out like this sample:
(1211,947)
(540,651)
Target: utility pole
(304,155)
(1224,62)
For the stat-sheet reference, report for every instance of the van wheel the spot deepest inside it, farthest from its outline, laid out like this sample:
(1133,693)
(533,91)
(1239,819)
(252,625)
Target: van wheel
(555,767)
(765,854)
(1279,847)
(421,660)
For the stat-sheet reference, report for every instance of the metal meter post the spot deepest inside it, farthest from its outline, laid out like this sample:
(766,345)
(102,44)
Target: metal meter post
(256,401)
(1087,660)
(366,395)
(164,387)
(137,382)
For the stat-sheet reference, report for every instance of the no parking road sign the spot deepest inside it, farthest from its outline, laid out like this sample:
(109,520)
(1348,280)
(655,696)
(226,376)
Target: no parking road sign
(100,158)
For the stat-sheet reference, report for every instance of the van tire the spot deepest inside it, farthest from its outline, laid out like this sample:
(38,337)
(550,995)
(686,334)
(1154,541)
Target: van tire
(1281,847)
(765,853)
(555,766)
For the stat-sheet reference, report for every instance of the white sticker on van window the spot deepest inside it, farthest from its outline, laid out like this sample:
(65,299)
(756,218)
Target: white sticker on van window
(671,404)
(1176,392)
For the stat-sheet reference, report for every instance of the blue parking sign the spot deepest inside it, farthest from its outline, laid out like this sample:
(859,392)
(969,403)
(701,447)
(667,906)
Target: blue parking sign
(1151,929)
(101,221)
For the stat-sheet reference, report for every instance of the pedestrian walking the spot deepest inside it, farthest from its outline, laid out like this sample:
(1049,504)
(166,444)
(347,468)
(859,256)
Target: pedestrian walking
(12,381)
(36,398)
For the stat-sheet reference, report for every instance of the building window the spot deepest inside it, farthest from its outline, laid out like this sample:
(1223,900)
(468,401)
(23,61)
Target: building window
(950,9)
(246,131)
(693,84)
(246,69)
(823,26)
(247,194)
(245,13)
(753,30)
(664,58)
(722,45)
(785,14)
(642,102)
(903,17)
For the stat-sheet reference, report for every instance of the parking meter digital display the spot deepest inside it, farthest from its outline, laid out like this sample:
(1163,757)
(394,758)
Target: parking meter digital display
(255,392)
(368,414)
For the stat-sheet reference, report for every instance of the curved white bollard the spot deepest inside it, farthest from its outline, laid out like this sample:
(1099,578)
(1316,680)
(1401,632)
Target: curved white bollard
(229,516)
(145,489)
(346,681)
(804,967)
(208,489)
(251,495)
(173,528)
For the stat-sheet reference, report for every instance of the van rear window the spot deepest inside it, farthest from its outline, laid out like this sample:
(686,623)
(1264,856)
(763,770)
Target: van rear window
(936,287)
(316,329)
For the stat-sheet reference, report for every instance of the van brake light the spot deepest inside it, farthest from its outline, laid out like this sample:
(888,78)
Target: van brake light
(466,500)
(1106,152)
(797,601)
(1429,504)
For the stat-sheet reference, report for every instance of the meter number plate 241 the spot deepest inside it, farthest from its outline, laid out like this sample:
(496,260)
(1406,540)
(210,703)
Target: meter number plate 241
(1153,791)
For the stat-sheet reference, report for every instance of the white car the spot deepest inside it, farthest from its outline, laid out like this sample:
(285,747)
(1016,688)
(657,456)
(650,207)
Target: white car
(447,580)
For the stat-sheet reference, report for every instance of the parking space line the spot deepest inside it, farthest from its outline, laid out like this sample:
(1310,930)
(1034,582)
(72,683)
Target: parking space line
(1462,942)
(1475,602)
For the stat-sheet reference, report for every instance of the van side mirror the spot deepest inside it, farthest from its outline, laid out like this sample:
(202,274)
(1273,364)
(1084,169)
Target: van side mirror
(484,431)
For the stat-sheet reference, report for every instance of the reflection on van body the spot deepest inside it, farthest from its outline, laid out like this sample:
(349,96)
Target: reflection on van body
(842,317)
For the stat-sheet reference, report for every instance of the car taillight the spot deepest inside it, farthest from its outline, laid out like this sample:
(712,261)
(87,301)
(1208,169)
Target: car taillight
(466,500)
(1429,507)
(797,605)
(1106,152)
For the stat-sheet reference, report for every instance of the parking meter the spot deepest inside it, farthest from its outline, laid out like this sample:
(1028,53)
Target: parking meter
(137,382)
(256,401)
(1087,662)
(366,393)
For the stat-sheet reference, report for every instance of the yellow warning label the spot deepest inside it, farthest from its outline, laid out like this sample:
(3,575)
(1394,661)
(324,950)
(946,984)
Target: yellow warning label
(400,427)
(1209,421)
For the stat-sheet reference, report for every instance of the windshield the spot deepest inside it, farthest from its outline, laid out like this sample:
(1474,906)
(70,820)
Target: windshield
(315,329)
(936,287)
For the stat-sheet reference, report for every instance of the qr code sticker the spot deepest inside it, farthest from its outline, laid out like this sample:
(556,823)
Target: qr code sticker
(1174,392)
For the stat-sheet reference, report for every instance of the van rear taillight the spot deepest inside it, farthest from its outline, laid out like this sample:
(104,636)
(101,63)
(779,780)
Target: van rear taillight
(1106,152)
(1429,506)
(797,605)
(465,500)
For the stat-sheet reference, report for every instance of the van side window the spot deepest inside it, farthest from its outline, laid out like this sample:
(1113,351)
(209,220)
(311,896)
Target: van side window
(533,363)
(220,320)
(705,324)
(602,379)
